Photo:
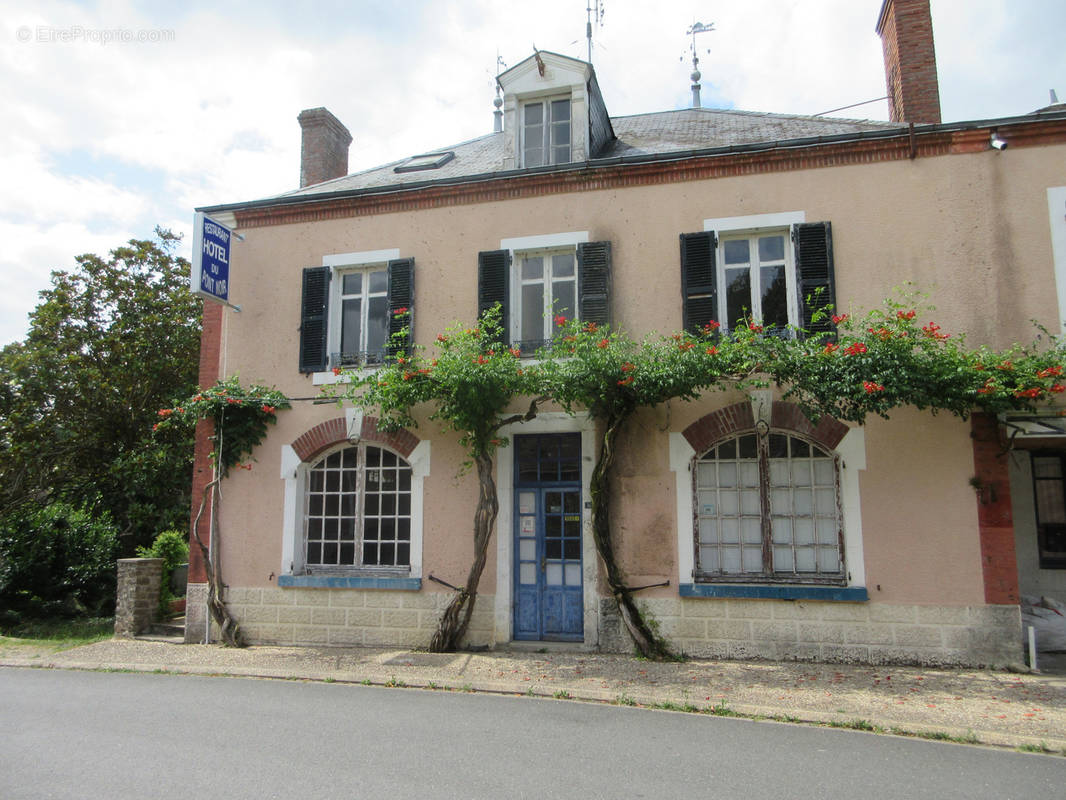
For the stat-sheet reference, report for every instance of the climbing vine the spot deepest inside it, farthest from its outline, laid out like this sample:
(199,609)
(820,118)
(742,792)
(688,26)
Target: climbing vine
(240,417)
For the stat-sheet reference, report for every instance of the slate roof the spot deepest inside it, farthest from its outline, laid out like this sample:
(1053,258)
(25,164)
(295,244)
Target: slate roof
(657,133)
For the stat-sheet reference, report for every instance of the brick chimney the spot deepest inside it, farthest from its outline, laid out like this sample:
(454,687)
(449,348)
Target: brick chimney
(906,31)
(324,154)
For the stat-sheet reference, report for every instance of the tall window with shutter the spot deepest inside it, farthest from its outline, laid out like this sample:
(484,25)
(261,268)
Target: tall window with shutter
(776,278)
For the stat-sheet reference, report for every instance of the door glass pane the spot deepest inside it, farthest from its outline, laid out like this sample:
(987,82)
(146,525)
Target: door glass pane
(572,549)
(553,575)
(573,574)
(527,549)
(527,573)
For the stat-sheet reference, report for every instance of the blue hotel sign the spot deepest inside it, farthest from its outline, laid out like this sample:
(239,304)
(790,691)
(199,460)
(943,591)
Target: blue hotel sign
(210,259)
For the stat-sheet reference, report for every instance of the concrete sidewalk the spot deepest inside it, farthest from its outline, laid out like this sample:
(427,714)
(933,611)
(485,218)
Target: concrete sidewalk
(996,708)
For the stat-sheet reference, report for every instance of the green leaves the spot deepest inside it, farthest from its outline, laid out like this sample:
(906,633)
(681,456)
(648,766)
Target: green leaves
(240,416)
(112,340)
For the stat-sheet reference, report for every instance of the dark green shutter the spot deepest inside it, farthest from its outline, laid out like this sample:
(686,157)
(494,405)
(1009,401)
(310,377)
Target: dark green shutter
(594,282)
(698,280)
(494,286)
(813,243)
(314,355)
(401,296)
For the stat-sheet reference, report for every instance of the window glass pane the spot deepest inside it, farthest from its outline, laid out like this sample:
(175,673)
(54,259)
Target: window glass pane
(377,326)
(750,503)
(352,283)
(774,297)
(379,281)
(534,156)
(751,531)
(828,559)
(351,325)
(800,449)
(563,295)
(782,530)
(347,553)
(728,449)
(778,446)
(801,473)
(827,531)
(802,499)
(825,501)
(532,268)
(709,559)
(534,113)
(738,294)
(708,531)
(730,531)
(1047,467)
(533,312)
(728,504)
(783,559)
(563,265)
(805,561)
(749,474)
(727,475)
(752,559)
(561,155)
(730,560)
(705,474)
(823,472)
(560,110)
(780,501)
(771,248)
(736,251)
(748,447)
(779,473)
(1050,507)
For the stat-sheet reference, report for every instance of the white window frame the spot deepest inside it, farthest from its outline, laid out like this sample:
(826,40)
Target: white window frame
(751,227)
(547,244)
(339,264)
(547,143)
(851,452)
(294,474)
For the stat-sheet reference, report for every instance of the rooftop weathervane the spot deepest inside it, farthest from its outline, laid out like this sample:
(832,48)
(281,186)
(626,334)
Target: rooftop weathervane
(697,27)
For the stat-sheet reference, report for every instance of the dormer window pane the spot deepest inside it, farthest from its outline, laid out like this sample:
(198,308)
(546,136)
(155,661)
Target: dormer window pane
(546,132)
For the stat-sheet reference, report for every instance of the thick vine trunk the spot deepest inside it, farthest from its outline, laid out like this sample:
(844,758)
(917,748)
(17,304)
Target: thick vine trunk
(229,628)
(456,617)
(648,644)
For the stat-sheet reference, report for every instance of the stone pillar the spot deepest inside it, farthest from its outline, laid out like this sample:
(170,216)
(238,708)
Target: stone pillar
(138,594)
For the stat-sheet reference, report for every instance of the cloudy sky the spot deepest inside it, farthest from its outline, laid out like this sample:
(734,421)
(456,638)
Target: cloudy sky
(119,116)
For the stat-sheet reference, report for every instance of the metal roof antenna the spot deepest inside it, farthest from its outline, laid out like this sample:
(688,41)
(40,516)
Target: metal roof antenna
(497,123)
(593,12)
(697,27)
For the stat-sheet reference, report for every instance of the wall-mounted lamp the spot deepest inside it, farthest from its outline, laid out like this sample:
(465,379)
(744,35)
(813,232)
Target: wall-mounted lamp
(996,142)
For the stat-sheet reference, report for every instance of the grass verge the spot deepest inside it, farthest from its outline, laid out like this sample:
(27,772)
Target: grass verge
(54,635)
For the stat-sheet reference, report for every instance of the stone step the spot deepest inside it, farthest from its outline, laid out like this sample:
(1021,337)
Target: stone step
(175,626)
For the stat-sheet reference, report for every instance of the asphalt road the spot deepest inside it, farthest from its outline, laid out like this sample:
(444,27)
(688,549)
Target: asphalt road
(121,735)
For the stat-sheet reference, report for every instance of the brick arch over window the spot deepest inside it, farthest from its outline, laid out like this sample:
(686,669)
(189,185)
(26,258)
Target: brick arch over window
(335,431)
(738,417)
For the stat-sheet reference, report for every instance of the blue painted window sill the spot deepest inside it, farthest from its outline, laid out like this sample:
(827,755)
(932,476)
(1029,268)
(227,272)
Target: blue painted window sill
(349,582)
(848,594)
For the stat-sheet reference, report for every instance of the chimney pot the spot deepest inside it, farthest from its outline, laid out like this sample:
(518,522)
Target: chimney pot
(906,31)
(324,149)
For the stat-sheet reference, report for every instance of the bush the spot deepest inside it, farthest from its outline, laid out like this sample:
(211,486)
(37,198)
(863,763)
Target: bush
(57,560)
(174,550)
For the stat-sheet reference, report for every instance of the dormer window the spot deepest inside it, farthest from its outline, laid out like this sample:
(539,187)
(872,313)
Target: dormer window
(546,132)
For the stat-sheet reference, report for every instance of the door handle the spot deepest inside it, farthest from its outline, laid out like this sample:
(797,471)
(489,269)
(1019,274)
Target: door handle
(543,561)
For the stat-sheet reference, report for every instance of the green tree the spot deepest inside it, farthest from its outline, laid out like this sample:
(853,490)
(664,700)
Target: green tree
(111,342)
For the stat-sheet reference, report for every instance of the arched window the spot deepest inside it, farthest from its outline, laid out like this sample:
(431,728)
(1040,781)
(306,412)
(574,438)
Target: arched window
(358,510)
(768,508)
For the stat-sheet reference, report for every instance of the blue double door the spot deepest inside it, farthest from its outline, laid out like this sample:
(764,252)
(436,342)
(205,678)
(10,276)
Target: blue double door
(548,593)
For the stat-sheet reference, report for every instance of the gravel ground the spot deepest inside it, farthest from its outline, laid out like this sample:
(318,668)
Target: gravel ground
(998,708)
